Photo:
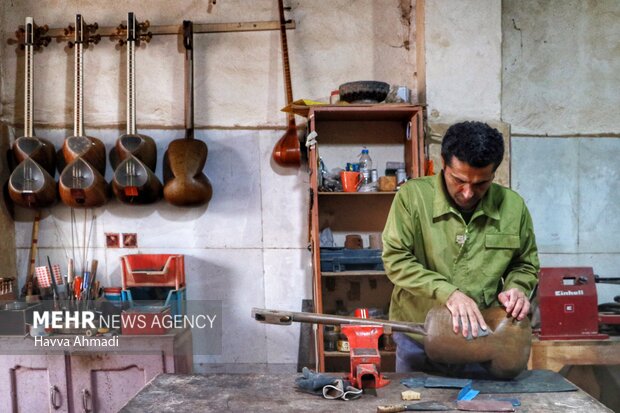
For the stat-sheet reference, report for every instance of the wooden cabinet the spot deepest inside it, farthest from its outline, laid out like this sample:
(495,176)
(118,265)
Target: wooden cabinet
(86,379)
(391,133)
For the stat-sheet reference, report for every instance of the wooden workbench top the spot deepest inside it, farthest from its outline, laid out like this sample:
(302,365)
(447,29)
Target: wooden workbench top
(263,392)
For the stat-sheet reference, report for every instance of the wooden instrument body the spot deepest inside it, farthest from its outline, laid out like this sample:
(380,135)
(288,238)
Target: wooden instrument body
(88,148)
(31,186)
(135,155)
(185,183)
(82,186)
(135,183)
(38,149)
(138,145)
(286,152)
(504,352)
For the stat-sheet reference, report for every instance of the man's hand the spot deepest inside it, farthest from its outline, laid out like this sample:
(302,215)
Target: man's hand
(516,303)
(465,309)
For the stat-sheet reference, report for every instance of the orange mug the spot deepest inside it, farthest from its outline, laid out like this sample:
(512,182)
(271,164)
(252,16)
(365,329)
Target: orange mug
(350,180)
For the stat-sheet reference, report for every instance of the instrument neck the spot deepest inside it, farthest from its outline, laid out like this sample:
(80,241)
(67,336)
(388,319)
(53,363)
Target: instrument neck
(78,116)
(285,61)
(189,94)
(131,87)
(29,91)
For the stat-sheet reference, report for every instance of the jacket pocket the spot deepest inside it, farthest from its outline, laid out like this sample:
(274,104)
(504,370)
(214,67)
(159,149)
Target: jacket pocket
(499,250)
(507,241)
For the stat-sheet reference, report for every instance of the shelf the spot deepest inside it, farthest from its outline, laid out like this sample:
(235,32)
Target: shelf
(390,193)
(346,354)
(367,273)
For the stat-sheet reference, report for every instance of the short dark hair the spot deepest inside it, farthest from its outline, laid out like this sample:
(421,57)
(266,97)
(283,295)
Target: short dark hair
(475,143)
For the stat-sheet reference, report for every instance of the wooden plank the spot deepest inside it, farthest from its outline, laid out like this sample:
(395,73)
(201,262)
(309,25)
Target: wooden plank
(555,354)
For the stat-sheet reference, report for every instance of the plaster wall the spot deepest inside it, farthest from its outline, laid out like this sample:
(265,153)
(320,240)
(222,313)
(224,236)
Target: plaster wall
(561,68)
(463,60)
(248,248)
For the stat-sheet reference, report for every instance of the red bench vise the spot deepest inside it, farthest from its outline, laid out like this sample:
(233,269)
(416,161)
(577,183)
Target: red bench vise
(364,354)
(568,304)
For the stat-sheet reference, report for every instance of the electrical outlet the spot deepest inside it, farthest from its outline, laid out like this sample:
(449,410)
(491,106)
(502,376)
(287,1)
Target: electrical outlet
(130,240)
(112,240)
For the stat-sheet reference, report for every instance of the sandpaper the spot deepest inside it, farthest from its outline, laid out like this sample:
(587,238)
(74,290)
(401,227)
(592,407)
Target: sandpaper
(529,381)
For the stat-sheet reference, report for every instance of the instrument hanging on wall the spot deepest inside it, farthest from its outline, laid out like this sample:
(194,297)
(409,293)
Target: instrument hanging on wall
(30,287)
(134,156)
(287,150)
(31,183)
(81,183)
(185,183)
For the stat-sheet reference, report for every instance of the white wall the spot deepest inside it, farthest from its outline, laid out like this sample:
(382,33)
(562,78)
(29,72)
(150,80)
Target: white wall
(560,93)
(248,248)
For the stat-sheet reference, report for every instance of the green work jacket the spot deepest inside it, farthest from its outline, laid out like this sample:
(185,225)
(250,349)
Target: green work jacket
(429,251)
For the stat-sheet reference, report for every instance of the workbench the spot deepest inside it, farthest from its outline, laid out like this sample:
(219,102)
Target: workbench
(555,354)
(268,392)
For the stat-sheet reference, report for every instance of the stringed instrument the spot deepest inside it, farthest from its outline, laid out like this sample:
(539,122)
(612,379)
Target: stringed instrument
(29,146)
(504,351)
(81,182)
(30,286)
(135,155)
(185,183)
(287,151)
(31,183)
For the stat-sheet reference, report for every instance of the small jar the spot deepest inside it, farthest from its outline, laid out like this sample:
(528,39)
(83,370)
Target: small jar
(343,342)
(330,338)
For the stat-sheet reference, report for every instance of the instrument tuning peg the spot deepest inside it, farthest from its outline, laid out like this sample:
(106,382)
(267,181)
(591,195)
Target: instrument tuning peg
(92,27)
(69,30)
(70,44)
(146,37)
(144,25)
(94,38)
(120,29)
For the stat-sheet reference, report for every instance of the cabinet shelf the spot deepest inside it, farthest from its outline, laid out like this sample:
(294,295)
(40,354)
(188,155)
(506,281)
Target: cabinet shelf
(346,354)
(390,193)
(365,273)
(391,133)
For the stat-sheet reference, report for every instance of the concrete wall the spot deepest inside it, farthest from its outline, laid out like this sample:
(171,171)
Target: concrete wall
(561,68)
(248,248)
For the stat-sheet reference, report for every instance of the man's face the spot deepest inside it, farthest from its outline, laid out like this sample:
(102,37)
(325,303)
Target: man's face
(467,184)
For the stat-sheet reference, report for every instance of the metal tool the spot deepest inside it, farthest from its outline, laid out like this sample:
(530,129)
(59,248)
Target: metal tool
(363,335)
(420,406)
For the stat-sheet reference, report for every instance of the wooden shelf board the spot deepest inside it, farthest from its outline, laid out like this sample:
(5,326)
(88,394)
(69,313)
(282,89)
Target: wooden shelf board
(367,273)
(346,354)
(390,193)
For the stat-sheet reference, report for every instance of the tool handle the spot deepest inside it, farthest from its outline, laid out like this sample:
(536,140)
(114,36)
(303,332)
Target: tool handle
(391,408)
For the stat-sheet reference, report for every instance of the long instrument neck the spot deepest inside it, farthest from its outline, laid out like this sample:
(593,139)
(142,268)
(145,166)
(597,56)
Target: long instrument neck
(188,40)
(285,62)
(28,84)
(78,120)
(131,74)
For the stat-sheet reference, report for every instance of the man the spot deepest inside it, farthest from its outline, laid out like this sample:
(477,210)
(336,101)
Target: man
(459,240)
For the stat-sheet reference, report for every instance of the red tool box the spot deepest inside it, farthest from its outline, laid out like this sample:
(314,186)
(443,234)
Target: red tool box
(568,304)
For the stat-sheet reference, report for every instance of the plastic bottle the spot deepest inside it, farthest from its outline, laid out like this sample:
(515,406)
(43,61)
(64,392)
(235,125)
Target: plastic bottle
(365,165)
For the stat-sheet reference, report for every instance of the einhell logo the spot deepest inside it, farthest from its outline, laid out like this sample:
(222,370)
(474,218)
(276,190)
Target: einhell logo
(563,293)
